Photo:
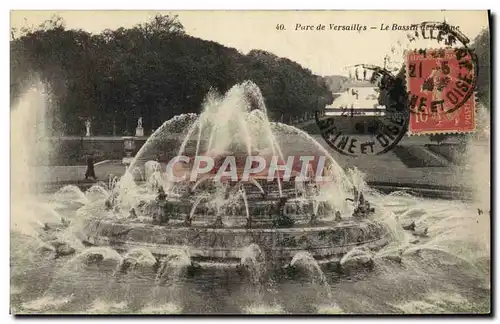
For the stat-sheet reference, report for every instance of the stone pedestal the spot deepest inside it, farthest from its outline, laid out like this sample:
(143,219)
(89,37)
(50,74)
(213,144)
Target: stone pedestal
(128,149)
(139,132)
(222,247)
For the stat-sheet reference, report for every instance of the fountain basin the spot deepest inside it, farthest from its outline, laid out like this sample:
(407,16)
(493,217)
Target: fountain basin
(178,209)
(223,247)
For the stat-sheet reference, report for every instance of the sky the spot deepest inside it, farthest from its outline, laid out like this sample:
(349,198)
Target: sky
(324,52)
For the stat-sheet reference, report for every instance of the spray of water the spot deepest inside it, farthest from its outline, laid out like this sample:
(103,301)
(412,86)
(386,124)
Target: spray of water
(236,122)
(167,289)
(477,160)
(306,260)
(30,120)
(254,262)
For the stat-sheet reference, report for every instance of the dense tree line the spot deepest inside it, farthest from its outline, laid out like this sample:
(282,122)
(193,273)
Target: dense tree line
(481,46)
(154,70)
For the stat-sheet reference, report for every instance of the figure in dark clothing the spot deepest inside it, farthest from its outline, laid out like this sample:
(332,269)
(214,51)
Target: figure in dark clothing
(90,173)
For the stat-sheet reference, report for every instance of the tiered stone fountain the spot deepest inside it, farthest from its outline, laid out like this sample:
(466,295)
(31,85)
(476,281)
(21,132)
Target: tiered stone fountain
(215,221)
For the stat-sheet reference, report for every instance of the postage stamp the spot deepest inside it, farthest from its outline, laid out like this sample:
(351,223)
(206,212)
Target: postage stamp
(462,120)
(370,116)
(440,82)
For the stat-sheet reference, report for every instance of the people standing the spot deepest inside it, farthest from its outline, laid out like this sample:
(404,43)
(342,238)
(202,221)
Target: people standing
(90,172)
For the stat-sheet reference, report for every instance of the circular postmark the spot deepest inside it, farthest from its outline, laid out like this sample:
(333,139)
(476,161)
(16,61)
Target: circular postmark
(441,70)
(369,116)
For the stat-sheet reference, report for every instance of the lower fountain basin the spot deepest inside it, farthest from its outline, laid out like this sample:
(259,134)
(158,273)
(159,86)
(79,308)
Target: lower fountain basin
(223,247)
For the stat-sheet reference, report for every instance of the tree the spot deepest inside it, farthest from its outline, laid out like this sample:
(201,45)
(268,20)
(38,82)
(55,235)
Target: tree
(154,70)
(481,46)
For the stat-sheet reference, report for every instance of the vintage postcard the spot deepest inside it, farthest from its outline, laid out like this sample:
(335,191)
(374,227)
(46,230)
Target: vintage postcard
(250,162)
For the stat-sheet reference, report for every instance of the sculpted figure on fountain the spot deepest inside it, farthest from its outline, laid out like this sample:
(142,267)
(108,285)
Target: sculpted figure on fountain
(278,215)
(161,215)
(363,209)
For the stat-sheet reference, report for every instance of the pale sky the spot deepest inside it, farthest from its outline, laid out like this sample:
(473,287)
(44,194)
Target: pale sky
(324,52)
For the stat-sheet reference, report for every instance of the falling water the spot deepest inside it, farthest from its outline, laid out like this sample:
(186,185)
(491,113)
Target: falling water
(324,304)
(66,285)
(244,196)
(257,184)
(238,123)
(166,290)
(197,183)
(306,260)
(196,202)
(193,125)
(96,192)
(30,120)
(254,262)
(134,272)
(253,259)
(108,301)
(477,168)
(71,193)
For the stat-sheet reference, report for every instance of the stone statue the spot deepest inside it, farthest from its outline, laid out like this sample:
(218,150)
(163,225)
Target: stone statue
(87,127)
(139,131)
